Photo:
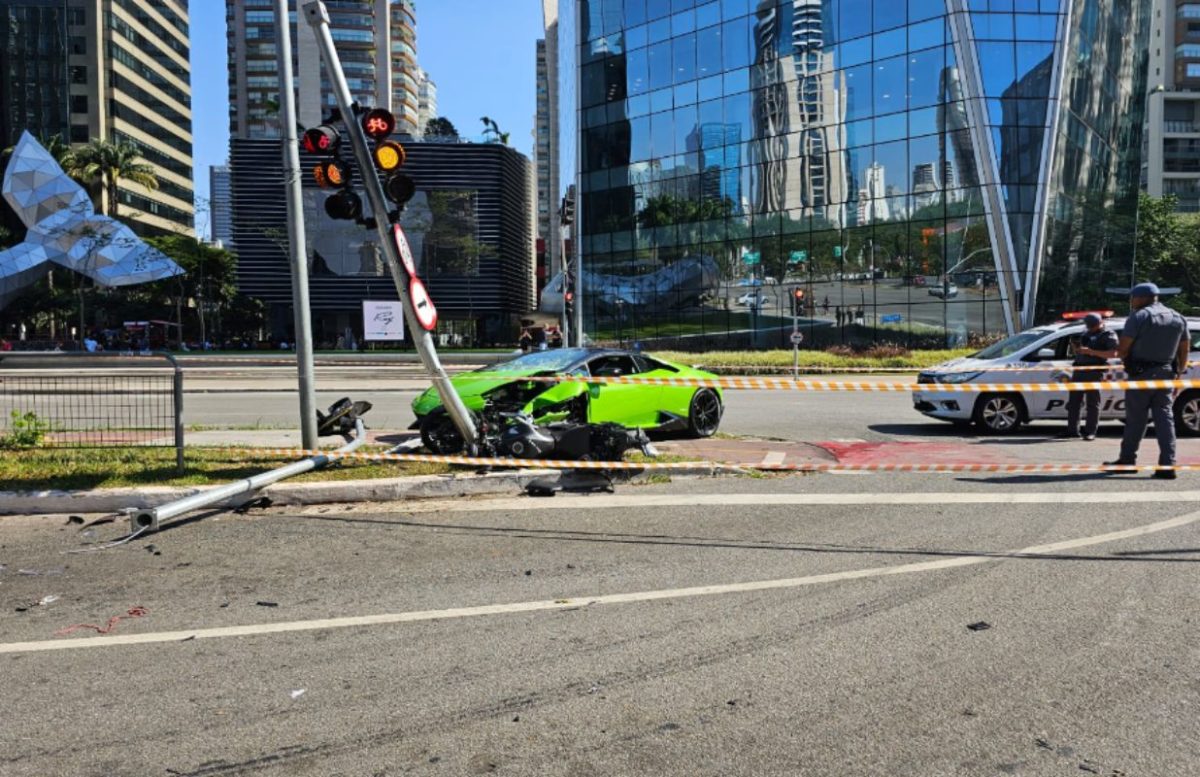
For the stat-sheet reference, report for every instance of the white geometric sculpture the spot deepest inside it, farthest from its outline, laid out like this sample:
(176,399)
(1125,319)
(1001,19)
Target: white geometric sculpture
(66,230)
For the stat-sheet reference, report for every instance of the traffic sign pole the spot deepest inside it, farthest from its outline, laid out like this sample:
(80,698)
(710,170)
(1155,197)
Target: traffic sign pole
(318,19)
(302,316)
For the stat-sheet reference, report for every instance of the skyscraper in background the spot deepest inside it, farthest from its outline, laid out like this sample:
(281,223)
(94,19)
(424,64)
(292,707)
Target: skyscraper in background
(220,205)
(1172,164)
(376,41)
(426,101)
(115,70)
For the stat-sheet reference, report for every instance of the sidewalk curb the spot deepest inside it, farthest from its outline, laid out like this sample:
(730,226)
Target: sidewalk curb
(111,500)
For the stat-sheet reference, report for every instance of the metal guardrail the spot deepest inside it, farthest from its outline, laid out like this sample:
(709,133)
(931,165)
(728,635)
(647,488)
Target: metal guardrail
(96,400)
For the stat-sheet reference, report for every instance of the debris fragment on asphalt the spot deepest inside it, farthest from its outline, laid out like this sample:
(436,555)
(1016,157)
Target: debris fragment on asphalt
(979,626)
(74,519)
(267,604)
(296,694)
(132,612)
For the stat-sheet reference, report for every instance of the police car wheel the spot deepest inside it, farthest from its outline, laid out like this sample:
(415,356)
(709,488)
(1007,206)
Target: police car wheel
(999,413)
(1187,414)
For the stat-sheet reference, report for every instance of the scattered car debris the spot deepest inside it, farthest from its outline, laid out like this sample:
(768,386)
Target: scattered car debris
(296,694)
(267,604)
(979,626)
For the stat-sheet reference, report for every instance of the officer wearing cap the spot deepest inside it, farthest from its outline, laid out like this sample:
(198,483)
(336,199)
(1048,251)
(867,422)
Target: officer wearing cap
(1154,346)
(1097,341)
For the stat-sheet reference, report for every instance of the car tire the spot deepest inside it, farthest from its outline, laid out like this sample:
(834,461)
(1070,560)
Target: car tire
(999,413)
(440,435)
(1187,414)
(704,413)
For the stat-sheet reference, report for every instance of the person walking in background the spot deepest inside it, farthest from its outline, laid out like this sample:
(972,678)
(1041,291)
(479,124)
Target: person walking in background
(1154,346)
(1096,341)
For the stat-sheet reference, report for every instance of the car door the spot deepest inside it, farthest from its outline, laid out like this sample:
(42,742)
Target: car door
(1046,360)
(622,403)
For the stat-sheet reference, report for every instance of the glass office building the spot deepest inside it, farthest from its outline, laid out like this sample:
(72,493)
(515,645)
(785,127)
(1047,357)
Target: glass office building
(926,172)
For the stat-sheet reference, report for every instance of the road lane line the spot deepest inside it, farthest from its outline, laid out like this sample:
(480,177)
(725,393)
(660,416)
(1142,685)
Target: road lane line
(385,619)
(617,501)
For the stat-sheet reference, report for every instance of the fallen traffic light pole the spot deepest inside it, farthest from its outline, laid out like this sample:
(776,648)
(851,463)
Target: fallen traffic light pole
(391,237)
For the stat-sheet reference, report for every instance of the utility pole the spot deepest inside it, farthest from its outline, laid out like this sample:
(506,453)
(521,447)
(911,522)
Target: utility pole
(318,19)
(296,243)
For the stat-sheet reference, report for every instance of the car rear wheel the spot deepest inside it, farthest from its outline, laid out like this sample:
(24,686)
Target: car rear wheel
(704,413)
(440,435)
(1187,414)
(999,413)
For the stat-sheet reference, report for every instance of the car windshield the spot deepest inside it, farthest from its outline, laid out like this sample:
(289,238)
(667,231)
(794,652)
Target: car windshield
(1010,345)
(554,360)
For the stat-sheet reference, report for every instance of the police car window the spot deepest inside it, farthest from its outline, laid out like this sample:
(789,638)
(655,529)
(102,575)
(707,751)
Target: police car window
(1195,334)
(1011,345)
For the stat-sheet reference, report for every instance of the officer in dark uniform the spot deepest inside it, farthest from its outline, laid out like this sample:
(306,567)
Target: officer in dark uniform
(1093,344)
(1154,346)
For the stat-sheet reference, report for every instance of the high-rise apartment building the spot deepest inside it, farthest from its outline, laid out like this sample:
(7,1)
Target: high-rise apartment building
(548,143)
(376,41)
(220,205)
(109,69)
(1172,163)
(426,102)
(868,150)
(543,178)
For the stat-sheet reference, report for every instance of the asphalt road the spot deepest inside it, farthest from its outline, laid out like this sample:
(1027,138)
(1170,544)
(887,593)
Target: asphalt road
(783,626)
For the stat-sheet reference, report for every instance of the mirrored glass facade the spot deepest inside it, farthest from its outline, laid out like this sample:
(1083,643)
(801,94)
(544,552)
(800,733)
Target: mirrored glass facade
(927,172)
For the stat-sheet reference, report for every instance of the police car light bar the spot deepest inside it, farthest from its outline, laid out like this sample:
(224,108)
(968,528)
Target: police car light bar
(1076,315)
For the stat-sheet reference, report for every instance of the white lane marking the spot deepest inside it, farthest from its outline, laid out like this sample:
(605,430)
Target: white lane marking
(616,501)
(773,458)
(566,603)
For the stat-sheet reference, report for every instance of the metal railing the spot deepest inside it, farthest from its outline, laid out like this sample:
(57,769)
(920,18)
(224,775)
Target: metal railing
(94,400)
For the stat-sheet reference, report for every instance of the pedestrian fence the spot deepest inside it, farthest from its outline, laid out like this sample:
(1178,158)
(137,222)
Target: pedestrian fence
(94,400)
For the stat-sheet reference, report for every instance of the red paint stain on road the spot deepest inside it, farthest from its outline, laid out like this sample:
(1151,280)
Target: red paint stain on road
(858,453)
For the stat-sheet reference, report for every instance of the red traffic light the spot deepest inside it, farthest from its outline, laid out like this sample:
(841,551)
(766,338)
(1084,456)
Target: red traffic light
(331,174)
(569,296)
(378,123)
(344,205)
(799,294)
(399,188)
(321,140)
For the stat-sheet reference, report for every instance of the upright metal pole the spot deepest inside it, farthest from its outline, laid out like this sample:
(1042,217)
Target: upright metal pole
(318,19)
(578,278)
(296,244)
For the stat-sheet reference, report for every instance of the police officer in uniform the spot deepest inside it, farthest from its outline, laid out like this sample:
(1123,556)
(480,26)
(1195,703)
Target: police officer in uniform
(1154,346)
(1097,341)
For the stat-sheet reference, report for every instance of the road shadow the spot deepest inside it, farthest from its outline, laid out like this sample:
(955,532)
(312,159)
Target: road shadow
(619,538)
(1049,477)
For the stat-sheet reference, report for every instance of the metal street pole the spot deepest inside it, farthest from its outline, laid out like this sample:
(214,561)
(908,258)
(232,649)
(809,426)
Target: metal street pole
(296,244)
(318,19)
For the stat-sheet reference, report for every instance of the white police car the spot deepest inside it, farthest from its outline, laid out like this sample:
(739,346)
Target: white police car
(1032,357)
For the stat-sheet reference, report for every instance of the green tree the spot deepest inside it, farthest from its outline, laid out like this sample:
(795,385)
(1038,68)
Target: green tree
(1168,249)
(106,163)
(209,279)
(440,127)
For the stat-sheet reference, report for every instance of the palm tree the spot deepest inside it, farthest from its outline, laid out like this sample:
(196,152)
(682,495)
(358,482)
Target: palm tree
(107,162)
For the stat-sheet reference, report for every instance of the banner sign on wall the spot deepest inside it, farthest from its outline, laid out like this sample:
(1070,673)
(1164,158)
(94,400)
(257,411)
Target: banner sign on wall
(383,320)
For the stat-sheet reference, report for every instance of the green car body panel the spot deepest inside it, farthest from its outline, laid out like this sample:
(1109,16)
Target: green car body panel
(631,405)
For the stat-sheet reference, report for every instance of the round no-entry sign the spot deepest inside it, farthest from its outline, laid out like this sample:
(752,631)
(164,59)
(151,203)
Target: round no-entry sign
(797,338)
(422,304)
(406,257)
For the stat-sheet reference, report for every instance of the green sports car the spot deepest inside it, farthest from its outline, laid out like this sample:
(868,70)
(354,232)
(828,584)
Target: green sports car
(499,388)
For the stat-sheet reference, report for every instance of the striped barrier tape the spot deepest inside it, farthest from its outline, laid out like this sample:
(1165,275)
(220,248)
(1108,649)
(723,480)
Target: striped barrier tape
(514,463)
(790,384)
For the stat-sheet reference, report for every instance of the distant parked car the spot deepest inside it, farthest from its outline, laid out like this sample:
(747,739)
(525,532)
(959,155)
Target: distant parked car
(945,290)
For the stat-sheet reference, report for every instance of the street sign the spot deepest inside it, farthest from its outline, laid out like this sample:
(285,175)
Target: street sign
(891,318)
(798,257)
(406,257)
(422,304)
(837,251)
(752,257)
(383,320)
(797,338)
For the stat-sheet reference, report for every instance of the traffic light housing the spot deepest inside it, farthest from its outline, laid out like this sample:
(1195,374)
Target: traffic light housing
(321,140)
(344,205)
(797,301)
(332,174)
(399,188)
(378,123)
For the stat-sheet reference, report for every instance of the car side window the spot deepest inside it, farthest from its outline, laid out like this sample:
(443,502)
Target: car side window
(612,366)
(1195,335)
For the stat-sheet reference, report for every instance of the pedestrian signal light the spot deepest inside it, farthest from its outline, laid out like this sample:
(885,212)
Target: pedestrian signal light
(389,155)
(344,205)
(799,295)
(399,188)
(321,140)
(569,297)
(378,123)
(331,174)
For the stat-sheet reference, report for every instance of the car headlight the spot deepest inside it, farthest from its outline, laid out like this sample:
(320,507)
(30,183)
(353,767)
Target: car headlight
(958,377)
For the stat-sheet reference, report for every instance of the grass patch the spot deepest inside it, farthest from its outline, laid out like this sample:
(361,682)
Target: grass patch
(819,359)
(69,469)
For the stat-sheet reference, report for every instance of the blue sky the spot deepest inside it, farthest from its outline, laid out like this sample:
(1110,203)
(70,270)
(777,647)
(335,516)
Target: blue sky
(480,53)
